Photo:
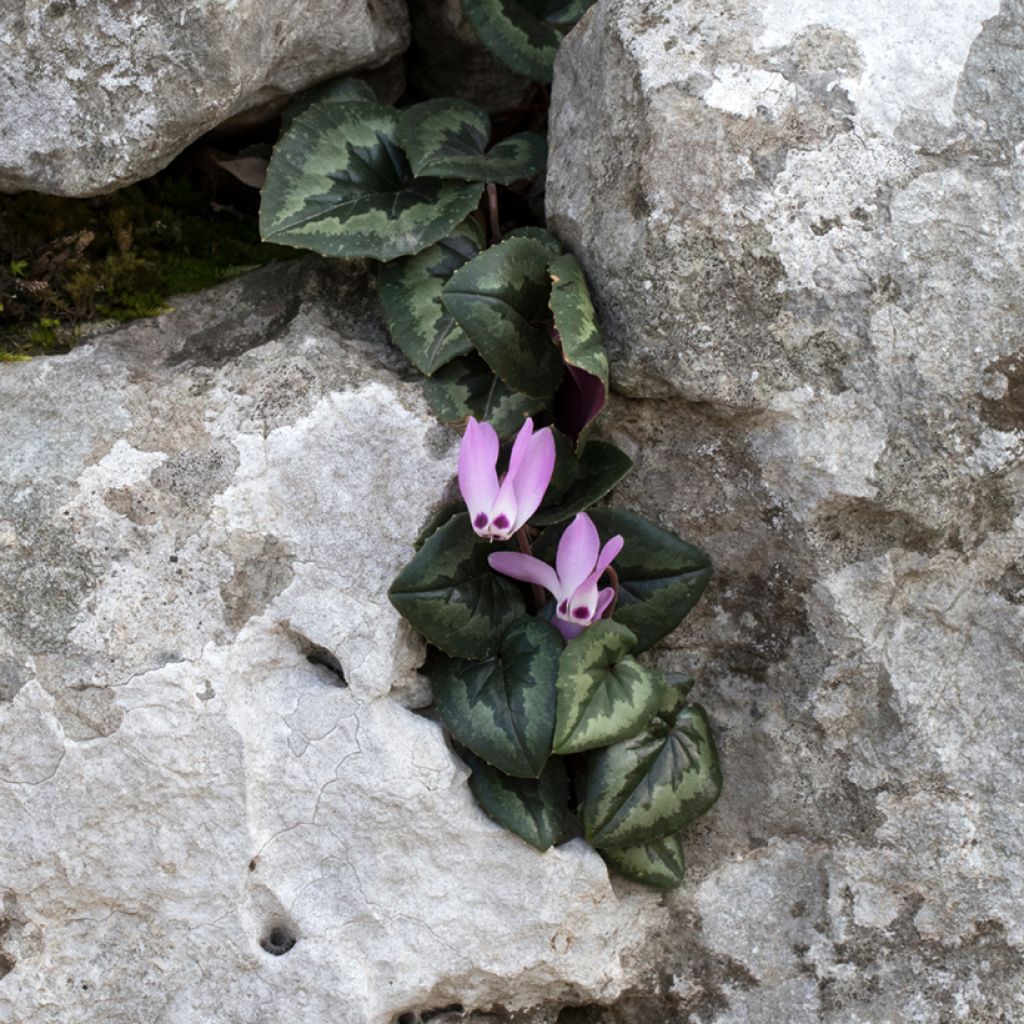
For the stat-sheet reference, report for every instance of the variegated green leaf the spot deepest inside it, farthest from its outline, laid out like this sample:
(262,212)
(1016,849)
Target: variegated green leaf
(600,467)
(604,695)
(533,809)
(503,708)
(524,33)
(652,785)
(448,138)
(658,863)
(338,183)
(500,300)
(660,576)
(582,348)
(542,235)
(410,292)
(468,387)
(453,597)
(338,90)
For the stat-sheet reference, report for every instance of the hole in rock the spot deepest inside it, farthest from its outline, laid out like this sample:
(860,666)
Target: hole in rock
(317,655)
(323,657)
(278,939)
(439,1015)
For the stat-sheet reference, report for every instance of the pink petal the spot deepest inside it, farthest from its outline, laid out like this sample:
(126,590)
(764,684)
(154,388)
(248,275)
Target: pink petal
(577,553)
(503,511)
(525,567)
(519,446)
(604,600)
(568,629)
(584,599)
(608,553)
(533,474)
(478,475)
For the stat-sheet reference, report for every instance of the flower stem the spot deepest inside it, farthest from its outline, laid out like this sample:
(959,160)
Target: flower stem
(615,600)
(527,549)
(492,212)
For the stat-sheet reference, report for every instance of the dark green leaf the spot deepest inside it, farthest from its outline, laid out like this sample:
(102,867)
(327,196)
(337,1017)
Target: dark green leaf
(467,387)
(533,809)
(503,708)
(338,183)
(438,519)
(500,301)
(599,468)
(453,597)
(660,576)
(658,863)
(567,470)
(582,348)
(678,686)
(448,138)
(410,292)
(339,90)
(542,235)
(524,33)
(604,695)
(652,785)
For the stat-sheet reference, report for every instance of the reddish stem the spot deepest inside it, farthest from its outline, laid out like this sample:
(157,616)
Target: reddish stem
(526,548)
(492,211)
(615,600)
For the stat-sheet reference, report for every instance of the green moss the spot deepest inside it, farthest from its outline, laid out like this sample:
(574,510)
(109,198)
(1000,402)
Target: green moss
(64,262)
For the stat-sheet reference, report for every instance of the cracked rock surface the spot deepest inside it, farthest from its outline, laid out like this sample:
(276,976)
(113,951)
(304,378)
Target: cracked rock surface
(101,93)
(217,803)
(802,222)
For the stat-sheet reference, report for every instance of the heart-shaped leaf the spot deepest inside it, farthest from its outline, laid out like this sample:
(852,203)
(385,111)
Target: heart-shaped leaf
(658,863)
(503,709)
(338,183)
(600,467)
(410,292)
(339,90)
(524,33)
(652,785)
(604,695)
(533,809)
(448,138)
(586,386)
(660,576)
(468,387)
(453,597)
(500,300)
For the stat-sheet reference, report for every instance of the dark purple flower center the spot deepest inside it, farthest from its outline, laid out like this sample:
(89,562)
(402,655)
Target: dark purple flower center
(581,613)
(481,521)
(563,608)
(502,522)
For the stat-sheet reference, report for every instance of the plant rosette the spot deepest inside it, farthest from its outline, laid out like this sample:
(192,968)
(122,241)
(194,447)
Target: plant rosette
(535,598)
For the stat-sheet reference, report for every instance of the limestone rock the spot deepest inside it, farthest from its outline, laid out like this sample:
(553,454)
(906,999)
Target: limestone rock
(216,804)
(802,222)
(100,94)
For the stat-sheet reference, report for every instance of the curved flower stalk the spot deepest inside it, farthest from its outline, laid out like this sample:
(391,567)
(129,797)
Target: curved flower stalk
(579,565)
(497,509)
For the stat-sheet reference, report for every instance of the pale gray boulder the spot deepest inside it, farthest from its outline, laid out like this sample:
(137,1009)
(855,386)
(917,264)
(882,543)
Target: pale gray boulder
(99,94)
(207,747)
(802,222)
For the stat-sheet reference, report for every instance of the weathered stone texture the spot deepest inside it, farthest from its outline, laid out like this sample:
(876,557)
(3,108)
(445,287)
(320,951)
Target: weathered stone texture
(802,221)
(96,94)
(207,747)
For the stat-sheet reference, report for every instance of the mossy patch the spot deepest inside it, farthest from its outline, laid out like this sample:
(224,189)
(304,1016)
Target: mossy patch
(64,262)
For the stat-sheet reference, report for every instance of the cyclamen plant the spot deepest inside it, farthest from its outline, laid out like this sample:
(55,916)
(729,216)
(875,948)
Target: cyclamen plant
(533,596)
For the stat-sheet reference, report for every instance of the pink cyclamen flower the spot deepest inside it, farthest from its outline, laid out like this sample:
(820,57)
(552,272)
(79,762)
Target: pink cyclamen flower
(579,564)
(498,508)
